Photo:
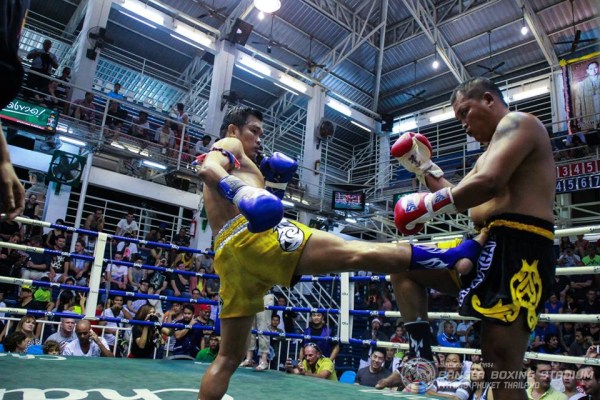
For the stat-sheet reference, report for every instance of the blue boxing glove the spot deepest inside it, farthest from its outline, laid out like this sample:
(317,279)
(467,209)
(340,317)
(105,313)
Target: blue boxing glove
(278,170)
(262,209)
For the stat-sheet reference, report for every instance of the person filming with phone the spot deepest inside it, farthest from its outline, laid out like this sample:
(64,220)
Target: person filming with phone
(314,364)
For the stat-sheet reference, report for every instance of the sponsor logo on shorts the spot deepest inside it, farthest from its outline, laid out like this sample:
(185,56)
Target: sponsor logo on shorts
(290,237)
(483,265)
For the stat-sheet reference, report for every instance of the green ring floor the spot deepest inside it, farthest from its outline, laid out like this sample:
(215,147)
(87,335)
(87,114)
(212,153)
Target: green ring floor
(129,379)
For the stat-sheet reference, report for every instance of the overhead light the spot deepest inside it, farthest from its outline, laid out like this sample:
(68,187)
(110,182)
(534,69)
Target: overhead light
(192,34)
(187,41)
(530,93)
(138,19)
(117,145)
(76,142)
(287,203)
(261,15)
(255,65)
(153,164)
(285,88)
(293,83)
(442,117)
(144,11)
(435,64)
(267,6)
(248,70)
(336,105)
(524,28)
(360,126)
(351,220)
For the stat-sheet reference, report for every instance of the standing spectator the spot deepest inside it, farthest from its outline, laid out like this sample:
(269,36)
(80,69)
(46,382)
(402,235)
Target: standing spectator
(63,90)
(144,338)
(88,344)
(85,110)
(114,94)
(43,61)
(203,318)
(65,333)
(172,315)
(541,382)
(127,225)
(275,341)
(115,310)
(181,133)
(314,364)
(369,376)
(260,323)
(318,327)
(203,145)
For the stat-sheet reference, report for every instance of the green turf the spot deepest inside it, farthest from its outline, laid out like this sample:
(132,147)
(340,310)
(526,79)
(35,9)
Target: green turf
(124,376)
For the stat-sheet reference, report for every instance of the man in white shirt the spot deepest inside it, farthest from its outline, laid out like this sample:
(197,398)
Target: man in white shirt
(116,310)
(88,344)
(127,225)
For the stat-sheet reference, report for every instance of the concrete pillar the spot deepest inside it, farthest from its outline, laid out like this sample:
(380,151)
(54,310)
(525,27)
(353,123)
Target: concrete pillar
(84,69)
(314,114)
(221,81)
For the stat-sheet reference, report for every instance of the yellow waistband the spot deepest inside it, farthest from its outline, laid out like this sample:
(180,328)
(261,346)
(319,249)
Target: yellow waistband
(522,227)
(232,227)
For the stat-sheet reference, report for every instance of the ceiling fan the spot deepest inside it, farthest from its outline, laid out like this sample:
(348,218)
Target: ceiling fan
(420,92)
(494,69)
(270,43)
(577,39)
(212,12)
(310,64)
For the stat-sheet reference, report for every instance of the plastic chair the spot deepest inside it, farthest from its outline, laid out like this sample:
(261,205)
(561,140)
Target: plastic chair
(348,377)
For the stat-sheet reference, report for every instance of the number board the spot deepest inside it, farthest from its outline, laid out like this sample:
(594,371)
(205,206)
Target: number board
(580,168)
(577,183)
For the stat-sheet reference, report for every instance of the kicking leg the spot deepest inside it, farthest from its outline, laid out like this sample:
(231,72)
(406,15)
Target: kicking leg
(234,332)
(502,349)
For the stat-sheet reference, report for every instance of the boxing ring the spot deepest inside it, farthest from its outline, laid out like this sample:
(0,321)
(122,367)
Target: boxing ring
(121,378)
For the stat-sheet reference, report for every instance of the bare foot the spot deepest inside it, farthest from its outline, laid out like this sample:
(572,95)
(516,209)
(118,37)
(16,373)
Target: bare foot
(464,265)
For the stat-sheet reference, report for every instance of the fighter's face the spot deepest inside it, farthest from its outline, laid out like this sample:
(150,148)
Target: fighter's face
(250,135)
(474,116)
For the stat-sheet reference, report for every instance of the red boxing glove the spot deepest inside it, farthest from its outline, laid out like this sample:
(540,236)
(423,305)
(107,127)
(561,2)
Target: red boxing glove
(413,151)
(412,211)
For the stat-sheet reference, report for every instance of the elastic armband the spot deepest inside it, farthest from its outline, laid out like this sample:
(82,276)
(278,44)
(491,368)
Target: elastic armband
(232,160)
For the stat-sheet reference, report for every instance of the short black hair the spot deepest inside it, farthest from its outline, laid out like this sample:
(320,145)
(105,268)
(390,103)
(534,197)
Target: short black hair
(237,116)
(474,88)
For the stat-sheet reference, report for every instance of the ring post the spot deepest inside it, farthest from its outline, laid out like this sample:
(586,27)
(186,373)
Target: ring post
(95,276)
(346,304)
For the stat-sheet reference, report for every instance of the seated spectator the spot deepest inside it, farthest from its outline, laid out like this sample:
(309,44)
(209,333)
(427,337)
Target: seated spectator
(314,364)
(127,225)
(8,228)
(569,259)
(63,90)
(27,325)
(115,118)
(553,305)
(369,376)
(116,274)
(158,279)
(145,338)
(591,304)
(447,338)
(372,333)
(16,342)
(79,268)
(187,340)
(551,345)
(88,344)
(179,283)
(115,310)
(37,264)
(479,388)
(589,378)
(127,248)
(541,387)
(84,109)
(48,97)
(136,274)
(592,257)
(203,146)
(581,246)
(32,207)
(94,222)
(164,136)
(52,347)
(452,383)
(134,305)
(115,92)
(208,354)
(171,315)
(65,334)
(140,127)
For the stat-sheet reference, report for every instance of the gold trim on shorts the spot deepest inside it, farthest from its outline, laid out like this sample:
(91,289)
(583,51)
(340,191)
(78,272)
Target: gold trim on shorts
(522,227)
(229,231)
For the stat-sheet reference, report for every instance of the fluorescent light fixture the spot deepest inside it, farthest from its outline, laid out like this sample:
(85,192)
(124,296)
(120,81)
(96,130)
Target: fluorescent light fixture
(351,220)
(267,6)
(285,88)
(293,83)
(287,203)
(261,15)
(405,126)
(62,127)
(153,164)
(530,93)
(117,145)
(76,142)
(136,150)
(144,11)
(449,237)
(248,70)
(524,30)
(360,126)
(442,117)
(138,19)
(435,64)
(506,99)
(255,65)
(336,105)
(187,41)
(192,34)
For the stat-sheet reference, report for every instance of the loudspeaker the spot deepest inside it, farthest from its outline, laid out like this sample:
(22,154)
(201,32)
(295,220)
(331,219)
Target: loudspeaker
(387,122)
(240,32)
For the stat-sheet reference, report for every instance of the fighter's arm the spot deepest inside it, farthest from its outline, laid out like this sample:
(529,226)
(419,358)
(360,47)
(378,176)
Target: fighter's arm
(12,199)
(215,165)
(511,144)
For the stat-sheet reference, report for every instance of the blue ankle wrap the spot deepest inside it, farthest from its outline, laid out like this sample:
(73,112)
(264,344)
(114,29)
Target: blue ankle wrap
(424,257)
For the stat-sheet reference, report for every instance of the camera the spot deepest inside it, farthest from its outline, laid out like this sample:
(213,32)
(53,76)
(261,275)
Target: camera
(295,363)
(152,318)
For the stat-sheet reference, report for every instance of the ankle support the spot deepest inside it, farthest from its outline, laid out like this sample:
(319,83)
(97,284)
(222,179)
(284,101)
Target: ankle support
(419,339)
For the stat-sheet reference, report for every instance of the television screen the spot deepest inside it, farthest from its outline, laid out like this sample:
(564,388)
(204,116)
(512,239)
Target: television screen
(348,201)
(20,112)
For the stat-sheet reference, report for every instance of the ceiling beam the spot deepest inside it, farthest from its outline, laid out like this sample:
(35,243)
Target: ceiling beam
(426,20)
(76,18)
(379,65)
(538,32)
